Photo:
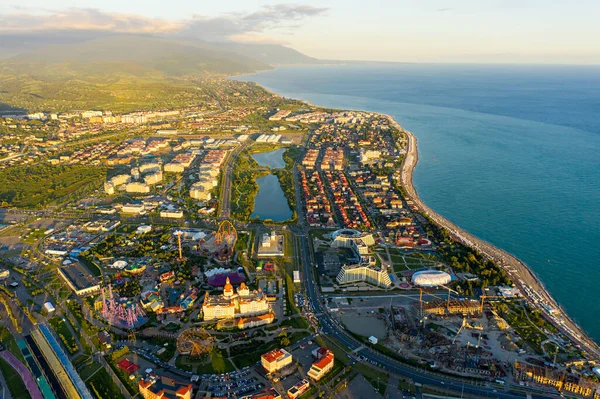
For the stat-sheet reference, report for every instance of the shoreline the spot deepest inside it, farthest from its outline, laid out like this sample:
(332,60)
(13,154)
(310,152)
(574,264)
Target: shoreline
(530,286)
(519,273)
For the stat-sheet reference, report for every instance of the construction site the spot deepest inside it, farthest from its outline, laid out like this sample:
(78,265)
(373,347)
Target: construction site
(542,376)
(459,336)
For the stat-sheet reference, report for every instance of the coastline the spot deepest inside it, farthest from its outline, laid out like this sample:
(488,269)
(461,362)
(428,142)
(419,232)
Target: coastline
(519,273)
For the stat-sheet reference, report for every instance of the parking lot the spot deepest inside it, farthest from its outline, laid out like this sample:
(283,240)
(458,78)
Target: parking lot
(234,384)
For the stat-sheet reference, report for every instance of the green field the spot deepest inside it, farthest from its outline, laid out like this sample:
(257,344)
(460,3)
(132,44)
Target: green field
(407,262)
(216,364)
(10,343)
(39,185)
(99,382)
(64,333)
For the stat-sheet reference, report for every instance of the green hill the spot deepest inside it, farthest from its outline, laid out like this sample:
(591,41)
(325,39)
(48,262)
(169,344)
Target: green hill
(129,54)
(117,71)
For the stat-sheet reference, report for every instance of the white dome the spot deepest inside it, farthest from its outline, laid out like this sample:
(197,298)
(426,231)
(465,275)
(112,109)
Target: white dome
(120,264)
(430,278)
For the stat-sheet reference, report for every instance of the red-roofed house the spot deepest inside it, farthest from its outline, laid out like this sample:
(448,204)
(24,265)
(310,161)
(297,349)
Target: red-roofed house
(324,363)
(164,388)
(275,360)
(128,366)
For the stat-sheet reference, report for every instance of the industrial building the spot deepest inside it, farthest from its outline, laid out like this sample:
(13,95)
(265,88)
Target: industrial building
(453,306)
(79,279)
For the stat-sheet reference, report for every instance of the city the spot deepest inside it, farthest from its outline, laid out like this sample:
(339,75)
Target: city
(153,265)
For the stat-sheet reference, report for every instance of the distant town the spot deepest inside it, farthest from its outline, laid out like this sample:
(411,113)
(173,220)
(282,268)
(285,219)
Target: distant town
(253,246)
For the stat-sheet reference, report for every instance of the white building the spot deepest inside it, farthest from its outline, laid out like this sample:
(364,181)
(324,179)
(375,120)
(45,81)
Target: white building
(171,214)
(153,178)
(133,209)
(271,245)
(137,187)
(200,191)
(360,273)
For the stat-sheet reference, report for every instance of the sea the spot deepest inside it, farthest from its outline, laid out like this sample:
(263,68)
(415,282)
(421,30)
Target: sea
(510,153)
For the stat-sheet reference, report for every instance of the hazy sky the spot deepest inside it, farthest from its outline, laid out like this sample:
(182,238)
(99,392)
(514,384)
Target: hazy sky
(557,31)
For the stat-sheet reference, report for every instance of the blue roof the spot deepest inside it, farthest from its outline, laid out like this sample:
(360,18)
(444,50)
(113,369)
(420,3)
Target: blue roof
(66,363)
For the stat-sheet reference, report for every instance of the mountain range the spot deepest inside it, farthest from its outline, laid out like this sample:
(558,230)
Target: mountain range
(141,55)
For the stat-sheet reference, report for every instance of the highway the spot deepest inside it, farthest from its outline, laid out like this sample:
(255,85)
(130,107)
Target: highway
(330,327)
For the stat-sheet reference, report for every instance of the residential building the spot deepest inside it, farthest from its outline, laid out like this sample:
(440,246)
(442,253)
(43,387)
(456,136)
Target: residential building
(164,388)
(275,360)
(362,273)
(323,364)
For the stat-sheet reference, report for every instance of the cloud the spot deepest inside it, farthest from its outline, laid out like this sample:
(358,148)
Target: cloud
(253,26)
(28,20)
(278,17)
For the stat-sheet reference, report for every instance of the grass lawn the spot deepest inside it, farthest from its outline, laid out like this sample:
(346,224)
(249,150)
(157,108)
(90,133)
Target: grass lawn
(64,334)
(407,262)
(101,385)
(296,322)
(377,378)
(248,359)
(406,386)
(332,344)
(10,343)
(530,333)
(13,380)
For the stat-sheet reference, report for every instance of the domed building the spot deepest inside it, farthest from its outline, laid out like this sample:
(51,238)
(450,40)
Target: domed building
(231,304)
(430,278)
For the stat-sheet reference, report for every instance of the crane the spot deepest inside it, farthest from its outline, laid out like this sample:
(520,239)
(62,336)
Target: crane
(484,297)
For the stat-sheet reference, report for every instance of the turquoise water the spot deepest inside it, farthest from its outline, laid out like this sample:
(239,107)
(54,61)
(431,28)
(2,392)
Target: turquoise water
(510,153)
(270,201)
(272,159)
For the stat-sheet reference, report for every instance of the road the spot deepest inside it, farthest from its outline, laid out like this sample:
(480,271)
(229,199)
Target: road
(225,191)
(330,327)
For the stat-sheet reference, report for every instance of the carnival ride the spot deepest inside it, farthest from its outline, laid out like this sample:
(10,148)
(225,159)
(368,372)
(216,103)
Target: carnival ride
(121,312)
(195,342)
(221,243)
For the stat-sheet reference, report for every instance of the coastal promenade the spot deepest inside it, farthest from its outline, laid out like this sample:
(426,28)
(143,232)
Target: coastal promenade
(527,282)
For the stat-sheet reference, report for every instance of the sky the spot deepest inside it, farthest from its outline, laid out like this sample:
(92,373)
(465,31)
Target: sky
(520,31)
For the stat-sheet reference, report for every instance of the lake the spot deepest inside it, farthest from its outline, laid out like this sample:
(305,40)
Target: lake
(272,159)
(270,201)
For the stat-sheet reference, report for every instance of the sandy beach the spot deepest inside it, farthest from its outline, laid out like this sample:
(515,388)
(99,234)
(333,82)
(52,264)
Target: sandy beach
(527,282)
